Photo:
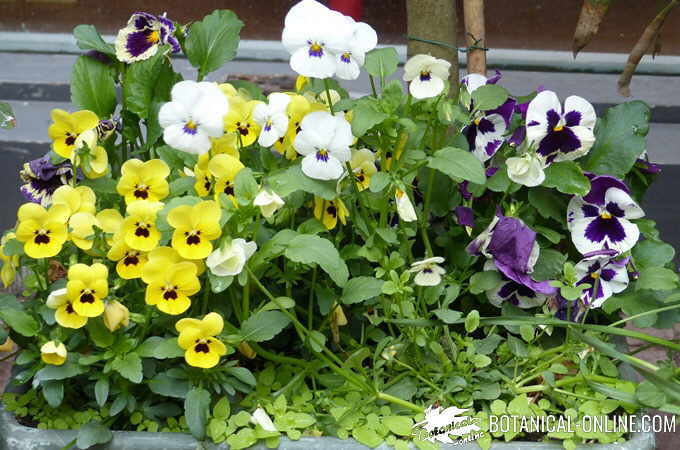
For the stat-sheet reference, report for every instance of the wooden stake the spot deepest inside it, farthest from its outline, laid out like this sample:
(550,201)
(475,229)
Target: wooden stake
(475,34)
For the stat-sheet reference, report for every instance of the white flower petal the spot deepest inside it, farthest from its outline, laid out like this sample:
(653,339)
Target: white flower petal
(587,138)
(473,81)
(415,65)
(426,89)
(630,209)
(347,67)
(425,278)
(172,113)
(321,66)
(537,113)
(175,136)
(583,106)
(317,168)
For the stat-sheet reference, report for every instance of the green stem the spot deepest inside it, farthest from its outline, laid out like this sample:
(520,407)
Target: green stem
(373,90)
(646,313)
(310,301)
(327,86)
(277,358)
(400,402)
(246,300)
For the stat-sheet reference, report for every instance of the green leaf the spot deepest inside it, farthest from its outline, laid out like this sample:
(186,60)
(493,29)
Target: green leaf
(317,341)
(379,181)
(448,315)
(549,265)
(7,119)
(487,345)
(548,203)
(657,278)
(196,410)
(129,367)
(92,87)
(101,391)
(292,179)
(366,115)
(480,361)
(567,177)
(87,38)
(619,139)
(176,159)
(312,249)
(93,433)
(141,81)
(53,391)
(458,163)
(650,253)
(159,348)
(472,321)
(20,321)
(263,326)
(381,62)
(244,438)
(213,41)
(219,284)
(517,347)
(361,288)
(242,374)
(164,384)
(489,96)
(100,335)
(367,436)
(222,408)
(399,425)
(245,187)
(483,281)
(66,370)
(181,186)
(103,185)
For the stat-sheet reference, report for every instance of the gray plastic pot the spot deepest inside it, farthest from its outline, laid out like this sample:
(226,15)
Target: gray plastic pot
(14,436)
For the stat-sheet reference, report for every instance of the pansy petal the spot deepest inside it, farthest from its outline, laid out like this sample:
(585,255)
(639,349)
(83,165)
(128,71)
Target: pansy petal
(621,200)
(578,111)
(322,167)
(426,88)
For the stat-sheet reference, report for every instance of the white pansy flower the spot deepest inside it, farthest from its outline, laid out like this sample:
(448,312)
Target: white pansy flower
(261,418)
(272,118)
(351,58)
(314,35)
(404,206)
(428,272)
(269,202)
(426,75)
(229,259)
(324,139)
(194,115)
(526,169)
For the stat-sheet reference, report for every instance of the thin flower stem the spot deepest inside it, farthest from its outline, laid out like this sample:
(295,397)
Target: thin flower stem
(426,213)
(310,301)
(277,358)
(373,90)
(642,314)
(246,299)
(400,402)
(327,86)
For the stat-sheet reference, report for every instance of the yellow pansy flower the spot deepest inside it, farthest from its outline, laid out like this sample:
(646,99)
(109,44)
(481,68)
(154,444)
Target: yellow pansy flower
(53,353)
(87,286)
(81,203)
(195,226)
(224,169)
(197,337)
(9,263)
(96,162)
(65,315)
(297,109)
(66,128)
(116,315)
(204,179)
(129,261)
(363,166)
(111,222)
(227,143)
(169,285)
(239,120)
(139,227)
(329,211)
(144,180)
(42,231)
(8,346)
(228,89)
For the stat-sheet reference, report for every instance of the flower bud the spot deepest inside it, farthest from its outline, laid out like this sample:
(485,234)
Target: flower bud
(116,315)
(53,353)
(7,346)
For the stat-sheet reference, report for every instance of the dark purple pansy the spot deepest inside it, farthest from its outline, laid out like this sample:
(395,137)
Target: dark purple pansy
(510,291)
(563,307)
(42,178)
(465,216)
(605,275)
(140,39)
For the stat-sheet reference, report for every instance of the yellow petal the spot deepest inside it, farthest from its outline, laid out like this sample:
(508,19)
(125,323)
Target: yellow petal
(84,120)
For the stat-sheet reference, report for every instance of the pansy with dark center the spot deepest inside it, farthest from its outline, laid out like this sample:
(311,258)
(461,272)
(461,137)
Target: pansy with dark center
(601,219)
(143,35)
(42,178)
(605,275)
(557,134)
(517,294)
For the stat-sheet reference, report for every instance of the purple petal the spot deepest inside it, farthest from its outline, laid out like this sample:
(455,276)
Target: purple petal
(465,216)
(564,141)
(600,228)
(138,42)
(512,243)
(494,79)
(599,186)
(572,118)
(505,110)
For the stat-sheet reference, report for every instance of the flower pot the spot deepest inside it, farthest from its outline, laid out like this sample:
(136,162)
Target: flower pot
(19,437)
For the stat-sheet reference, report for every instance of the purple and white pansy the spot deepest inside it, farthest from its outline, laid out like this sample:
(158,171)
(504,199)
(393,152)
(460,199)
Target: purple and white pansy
(142,36)
(426,75)
(560,134)
(512,247)
(486,133)
(605,274)
(602,218)
(510,291)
